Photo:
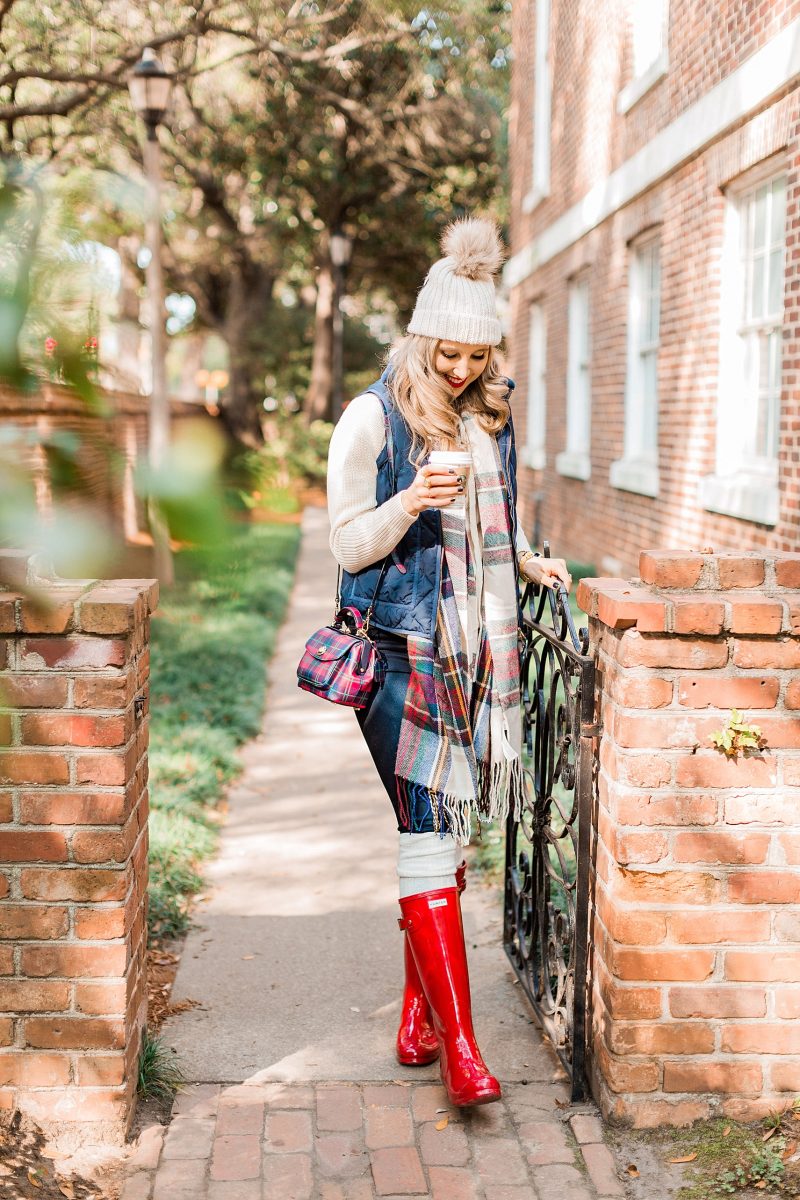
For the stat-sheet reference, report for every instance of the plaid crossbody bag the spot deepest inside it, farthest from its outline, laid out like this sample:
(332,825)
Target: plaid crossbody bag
(341,663)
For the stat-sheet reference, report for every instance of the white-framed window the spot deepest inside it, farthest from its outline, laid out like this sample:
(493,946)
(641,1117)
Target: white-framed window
(637,470)
(535,452)
(542,108)
(750,362)
(648,22)
(575,459)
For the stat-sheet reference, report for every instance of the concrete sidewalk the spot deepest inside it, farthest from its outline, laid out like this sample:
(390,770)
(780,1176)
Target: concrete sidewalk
(297,959)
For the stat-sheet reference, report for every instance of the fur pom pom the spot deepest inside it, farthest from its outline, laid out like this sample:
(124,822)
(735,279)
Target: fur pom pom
(475,247)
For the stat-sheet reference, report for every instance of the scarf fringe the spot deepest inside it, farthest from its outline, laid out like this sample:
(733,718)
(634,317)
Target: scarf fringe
(501,791)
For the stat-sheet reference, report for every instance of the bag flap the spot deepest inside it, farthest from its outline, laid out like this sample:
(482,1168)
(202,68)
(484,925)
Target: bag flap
(327,645)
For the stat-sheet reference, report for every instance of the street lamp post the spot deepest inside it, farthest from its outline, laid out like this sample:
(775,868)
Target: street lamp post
(150,87)
(341,250)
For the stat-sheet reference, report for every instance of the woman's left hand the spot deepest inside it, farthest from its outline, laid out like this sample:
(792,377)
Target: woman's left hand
(547,571)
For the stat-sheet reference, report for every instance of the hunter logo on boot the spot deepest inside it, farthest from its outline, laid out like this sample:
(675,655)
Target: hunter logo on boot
(438,903)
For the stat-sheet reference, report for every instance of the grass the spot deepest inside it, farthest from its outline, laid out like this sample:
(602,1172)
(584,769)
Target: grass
(159,1075)
(723,1158)
(210,638)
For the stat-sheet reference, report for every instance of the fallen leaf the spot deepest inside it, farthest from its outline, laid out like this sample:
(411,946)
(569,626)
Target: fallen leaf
(33,1177)
(246,956)
(726,1131)
(66,1188)
(354,1009)
(770,1133)
(683,1158)
(443,1123)
(441,1110)
(632,1170)
(762,1183)
(791,1149)
(561,1103)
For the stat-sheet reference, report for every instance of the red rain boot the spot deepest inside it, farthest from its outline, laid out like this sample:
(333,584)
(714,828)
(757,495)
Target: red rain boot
(417,1044)
(432,921)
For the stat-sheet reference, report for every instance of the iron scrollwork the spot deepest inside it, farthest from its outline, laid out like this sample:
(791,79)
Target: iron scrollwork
(547,850)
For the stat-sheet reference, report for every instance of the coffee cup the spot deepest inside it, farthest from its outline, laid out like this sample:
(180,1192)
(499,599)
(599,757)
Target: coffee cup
(456,460)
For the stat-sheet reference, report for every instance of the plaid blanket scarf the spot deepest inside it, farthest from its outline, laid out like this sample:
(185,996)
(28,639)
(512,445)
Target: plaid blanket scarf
(460,733)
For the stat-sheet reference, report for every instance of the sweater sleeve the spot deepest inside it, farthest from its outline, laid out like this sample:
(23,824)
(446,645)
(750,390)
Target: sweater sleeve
(521,540)
(362,532)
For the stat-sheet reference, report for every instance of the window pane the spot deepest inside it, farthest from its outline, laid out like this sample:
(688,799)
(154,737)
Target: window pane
(583,322)
(578,375)
(649,379)
(775,361)
(768,396)
(751,353)
(757,284)
(649,444)
(775,303)
(760,219)
(536,393)
(648,33)
(653,322)
(778,217)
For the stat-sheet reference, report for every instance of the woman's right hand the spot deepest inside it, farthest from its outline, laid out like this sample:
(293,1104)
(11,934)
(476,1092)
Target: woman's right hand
(433,487)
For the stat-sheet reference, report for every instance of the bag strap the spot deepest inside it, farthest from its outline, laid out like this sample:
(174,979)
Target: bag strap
(387,429)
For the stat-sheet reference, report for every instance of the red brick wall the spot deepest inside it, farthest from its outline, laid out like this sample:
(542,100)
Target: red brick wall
(592,521)
(73,847)
(695,932)
(105,443)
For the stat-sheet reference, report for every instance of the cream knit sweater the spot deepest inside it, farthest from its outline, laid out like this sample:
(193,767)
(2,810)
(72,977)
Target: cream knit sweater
(361,531)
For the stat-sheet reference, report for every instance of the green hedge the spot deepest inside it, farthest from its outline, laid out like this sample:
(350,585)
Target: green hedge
(210,638)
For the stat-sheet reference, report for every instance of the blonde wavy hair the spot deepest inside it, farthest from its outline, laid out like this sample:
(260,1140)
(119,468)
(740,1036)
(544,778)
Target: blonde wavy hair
(426,403)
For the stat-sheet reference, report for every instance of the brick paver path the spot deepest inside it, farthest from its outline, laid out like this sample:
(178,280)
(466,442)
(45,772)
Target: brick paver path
(348,1141)
(297,961)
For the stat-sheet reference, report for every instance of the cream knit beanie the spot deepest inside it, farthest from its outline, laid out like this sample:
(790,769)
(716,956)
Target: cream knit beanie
(457,300)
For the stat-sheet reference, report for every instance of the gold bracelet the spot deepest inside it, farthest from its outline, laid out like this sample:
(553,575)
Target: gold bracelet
(522,558)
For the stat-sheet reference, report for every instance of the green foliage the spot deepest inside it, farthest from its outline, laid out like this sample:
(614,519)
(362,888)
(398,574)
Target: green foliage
(738,737)
(287,122)
(722,1157)
(159,1074)
(488,854)
(210,637)
(759,1166)
(294,455)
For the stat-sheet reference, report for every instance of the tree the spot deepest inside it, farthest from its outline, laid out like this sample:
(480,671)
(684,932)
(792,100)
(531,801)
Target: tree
(290,121)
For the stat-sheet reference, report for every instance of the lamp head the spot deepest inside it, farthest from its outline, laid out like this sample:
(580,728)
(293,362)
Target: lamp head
(150,87)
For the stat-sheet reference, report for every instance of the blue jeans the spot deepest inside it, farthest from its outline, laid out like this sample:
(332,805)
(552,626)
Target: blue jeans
(380,725)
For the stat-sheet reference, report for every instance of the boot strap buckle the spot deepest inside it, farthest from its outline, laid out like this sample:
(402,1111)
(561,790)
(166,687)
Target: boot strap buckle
(404,922)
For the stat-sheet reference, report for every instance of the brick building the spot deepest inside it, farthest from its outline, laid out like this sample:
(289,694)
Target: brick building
(654,283)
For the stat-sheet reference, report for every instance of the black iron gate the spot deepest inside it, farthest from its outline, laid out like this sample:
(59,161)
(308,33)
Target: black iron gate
(547,852)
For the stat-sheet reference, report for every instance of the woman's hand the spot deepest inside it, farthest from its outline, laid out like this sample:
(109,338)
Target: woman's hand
(546,571)
(433,487)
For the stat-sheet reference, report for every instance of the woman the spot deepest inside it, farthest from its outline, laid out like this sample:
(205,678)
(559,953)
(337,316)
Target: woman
(435,549)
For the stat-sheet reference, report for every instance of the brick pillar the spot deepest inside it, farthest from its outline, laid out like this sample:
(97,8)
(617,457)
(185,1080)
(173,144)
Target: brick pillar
(696,917)
(73,850)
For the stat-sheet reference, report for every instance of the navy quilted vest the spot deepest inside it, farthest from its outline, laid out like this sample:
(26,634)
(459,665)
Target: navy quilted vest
(409,592)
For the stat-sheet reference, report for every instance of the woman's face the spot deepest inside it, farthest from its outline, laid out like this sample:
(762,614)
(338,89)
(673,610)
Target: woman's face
(459,364)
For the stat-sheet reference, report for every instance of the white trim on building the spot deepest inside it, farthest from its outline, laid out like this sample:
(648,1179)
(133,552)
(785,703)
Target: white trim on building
(764,76)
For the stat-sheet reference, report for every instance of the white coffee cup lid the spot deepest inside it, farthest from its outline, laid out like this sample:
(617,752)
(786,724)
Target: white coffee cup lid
(457,457)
